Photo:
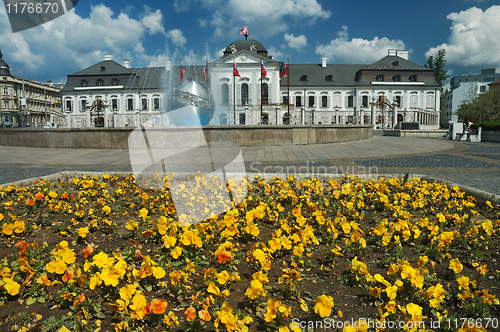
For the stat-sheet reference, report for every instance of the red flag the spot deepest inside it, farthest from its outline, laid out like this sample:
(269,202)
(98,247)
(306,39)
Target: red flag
(244,31)
(205,73)
(263,71)
(236,73)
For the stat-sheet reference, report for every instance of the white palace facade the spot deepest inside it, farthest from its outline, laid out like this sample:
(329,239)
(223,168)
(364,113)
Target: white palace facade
(382,94)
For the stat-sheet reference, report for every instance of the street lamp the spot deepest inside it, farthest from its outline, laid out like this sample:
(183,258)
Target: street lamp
(23,99)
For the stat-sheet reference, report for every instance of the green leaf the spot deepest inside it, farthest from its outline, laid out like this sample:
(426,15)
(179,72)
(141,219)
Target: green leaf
(30,300)
(40,299)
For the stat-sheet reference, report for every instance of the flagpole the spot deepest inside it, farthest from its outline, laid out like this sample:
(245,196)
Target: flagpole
(261,83)
(234,94)
(180,63)
(288,89)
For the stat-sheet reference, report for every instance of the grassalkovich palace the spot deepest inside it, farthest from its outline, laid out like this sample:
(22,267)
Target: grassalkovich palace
(249,87)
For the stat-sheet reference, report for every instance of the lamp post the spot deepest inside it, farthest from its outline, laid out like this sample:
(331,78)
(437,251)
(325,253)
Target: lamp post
(23,99)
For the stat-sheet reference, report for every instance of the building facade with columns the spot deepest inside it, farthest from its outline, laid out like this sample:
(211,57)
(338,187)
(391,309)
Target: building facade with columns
(26,103)
(382,94)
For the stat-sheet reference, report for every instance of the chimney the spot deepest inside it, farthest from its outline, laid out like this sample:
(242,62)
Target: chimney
(108,57)
(402,54)
(323,62)
(126,63)
(168,65)
(392,52)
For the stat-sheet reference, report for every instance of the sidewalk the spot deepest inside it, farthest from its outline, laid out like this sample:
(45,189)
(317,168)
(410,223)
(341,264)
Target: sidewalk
(475,165)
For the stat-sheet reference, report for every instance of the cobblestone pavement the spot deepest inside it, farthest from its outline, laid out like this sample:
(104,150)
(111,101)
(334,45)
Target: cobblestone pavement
(475,165)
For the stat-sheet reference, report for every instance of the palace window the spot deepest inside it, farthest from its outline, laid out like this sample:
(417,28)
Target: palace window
(329,78)
(350,101)
(114,104)
(144,103)
(5,91)
(396,78)
(84,83)
(413,78)
(380,78)
(286,119)
(298,101)
(68,106)
(225,94)
(99,82)
(324,101)
(244,94)
(311,101)
(265,118)
(265,93)
(83,102)
(130,104)
(115,81)
(285,99)
(303,78)
(6,104)
(242,118)
(398,101)
(364,101)
(156,103)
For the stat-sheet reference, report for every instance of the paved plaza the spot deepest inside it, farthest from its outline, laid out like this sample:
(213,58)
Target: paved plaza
(475,165)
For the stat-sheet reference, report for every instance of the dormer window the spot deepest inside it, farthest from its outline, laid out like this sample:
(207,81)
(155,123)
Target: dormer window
(329,78)
(380,78)
(99,82)
(103,68)
(395,63)
(303,78)
(84,83)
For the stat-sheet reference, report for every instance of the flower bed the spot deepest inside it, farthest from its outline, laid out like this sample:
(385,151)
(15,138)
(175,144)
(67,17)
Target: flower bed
(102,254)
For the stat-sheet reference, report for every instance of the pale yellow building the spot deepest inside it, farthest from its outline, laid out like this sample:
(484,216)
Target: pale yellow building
(25,103)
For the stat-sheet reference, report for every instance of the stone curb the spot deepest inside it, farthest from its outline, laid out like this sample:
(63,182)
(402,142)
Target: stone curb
(480,195)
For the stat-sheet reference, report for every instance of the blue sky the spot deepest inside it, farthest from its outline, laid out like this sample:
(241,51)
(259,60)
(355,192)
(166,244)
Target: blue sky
(149,33)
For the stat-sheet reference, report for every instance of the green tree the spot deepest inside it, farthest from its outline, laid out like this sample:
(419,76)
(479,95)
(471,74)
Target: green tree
(437,65)
(482,107)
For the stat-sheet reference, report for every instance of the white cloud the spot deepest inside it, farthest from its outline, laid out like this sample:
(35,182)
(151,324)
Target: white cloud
(153,21)
(357,50)
(474,38)
(71,42)
(177,37)
(264,17)
(298,42)
(276,54)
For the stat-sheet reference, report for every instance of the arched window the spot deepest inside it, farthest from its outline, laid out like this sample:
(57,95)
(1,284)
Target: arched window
(225,94)
(265,93)
(244,94)
(265,118)
(286,118)
(364,101)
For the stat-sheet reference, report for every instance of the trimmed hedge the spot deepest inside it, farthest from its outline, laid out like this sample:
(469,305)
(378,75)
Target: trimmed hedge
(487,125)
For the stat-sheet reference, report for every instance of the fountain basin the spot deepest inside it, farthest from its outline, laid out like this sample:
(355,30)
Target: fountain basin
(236,135)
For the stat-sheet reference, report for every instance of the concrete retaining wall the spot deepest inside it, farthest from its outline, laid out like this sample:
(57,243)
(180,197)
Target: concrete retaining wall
(118,138)
(416,133)
(490,136)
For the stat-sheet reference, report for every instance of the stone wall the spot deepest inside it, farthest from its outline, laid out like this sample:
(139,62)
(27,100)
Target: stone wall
(239,135)
(416,133)
(490,136)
